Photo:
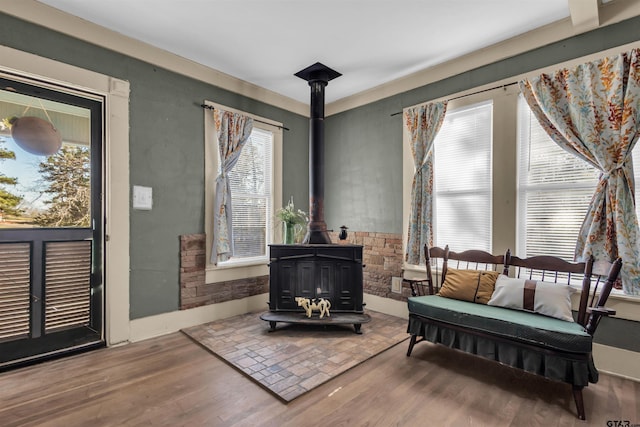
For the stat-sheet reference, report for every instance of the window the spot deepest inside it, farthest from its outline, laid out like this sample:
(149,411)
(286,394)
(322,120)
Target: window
(554,191)
(250,182)
(256,188)
(462,179)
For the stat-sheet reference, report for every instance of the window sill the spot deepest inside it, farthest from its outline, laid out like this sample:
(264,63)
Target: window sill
(618,294)
(626,306)
(414,272)
(237,270)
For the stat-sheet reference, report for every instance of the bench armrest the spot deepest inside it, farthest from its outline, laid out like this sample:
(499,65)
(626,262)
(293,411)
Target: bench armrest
(595,314)
(602,311)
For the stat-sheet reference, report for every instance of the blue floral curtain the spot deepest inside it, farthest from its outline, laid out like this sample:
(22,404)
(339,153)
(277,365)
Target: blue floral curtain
(593,112)
(233,131)
(423,124)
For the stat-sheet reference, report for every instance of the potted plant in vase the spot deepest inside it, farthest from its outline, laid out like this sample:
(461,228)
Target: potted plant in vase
(293,222)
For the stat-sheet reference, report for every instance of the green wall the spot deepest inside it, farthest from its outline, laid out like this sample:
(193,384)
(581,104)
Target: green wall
(363,168)
(166,143)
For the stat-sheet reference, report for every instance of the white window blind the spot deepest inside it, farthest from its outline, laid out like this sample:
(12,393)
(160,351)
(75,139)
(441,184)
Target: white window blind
(463,178)
(251,189)
(554,191)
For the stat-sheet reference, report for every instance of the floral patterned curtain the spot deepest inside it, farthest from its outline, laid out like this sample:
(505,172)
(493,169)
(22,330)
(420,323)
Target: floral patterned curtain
(232,130)
(593,111)
(423,123)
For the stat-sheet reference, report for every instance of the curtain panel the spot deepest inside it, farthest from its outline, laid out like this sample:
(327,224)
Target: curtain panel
(423,123)
(592,111)
(232,131)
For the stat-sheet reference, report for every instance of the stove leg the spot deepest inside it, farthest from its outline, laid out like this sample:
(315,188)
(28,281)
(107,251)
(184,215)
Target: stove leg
(273,326)
(357,326)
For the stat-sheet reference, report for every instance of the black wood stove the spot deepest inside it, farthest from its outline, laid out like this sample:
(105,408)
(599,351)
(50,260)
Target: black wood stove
(317,268)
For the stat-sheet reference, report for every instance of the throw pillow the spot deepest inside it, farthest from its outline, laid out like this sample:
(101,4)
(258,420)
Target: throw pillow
(550,299)
(469,285)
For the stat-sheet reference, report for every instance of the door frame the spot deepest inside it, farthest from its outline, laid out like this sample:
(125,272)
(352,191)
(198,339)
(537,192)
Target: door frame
(115,171)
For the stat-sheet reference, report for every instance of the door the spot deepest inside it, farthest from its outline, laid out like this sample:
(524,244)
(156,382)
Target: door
(51,221)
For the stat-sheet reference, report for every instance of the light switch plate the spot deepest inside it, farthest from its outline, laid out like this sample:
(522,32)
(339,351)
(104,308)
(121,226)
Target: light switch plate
(142,198)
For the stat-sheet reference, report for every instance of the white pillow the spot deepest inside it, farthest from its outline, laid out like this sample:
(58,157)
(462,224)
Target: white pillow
(550,299)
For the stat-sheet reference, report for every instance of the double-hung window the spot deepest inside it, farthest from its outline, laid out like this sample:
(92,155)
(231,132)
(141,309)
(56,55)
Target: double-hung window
(463,178)
(555,188)
(251,196)
(554,191)
(255,189)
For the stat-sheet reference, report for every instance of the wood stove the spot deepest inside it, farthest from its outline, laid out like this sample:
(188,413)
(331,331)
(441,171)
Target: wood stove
(313,271)
(317,268)
(333,272)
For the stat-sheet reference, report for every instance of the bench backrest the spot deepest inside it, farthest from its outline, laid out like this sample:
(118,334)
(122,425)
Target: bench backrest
(596,278)
(601,274)
(438,260)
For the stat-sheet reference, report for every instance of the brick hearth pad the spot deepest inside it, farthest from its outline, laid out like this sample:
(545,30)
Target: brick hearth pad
(296,358)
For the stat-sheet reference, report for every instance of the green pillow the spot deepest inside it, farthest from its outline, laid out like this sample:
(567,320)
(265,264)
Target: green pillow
(469,285)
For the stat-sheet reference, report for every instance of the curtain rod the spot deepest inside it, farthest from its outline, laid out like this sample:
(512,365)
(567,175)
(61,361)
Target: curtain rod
(473,93)
(210,107)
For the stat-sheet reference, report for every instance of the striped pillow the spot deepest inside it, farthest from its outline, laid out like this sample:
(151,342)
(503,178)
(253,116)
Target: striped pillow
(550,299)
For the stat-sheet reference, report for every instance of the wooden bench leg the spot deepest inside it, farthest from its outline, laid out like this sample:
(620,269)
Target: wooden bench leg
(412,342)
(577,396)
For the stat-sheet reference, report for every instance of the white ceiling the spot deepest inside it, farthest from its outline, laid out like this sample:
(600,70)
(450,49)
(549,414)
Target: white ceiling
(370,42)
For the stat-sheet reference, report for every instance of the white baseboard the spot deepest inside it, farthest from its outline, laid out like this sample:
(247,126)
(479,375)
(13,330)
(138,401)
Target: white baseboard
(166,323)
(617,361)
(387,306)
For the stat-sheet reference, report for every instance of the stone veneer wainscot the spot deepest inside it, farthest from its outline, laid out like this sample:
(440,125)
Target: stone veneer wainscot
(382,257)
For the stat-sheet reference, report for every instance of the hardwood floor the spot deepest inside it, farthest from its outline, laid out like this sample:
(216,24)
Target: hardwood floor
(171,381)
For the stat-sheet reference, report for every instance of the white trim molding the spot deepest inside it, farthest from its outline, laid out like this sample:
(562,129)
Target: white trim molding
(166,323)
(388,306)
(617,361)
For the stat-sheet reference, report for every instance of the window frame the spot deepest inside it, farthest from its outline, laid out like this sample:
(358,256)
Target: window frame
(254,266)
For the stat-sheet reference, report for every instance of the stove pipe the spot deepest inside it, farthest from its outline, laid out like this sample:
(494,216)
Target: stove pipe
(318,75)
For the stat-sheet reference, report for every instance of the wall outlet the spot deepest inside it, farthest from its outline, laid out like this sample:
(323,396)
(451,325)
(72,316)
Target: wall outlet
(396,285)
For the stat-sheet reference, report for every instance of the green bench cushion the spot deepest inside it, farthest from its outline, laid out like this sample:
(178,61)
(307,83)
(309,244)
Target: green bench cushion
(511,324)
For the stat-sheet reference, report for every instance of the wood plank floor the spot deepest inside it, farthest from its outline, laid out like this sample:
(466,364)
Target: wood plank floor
(171,381)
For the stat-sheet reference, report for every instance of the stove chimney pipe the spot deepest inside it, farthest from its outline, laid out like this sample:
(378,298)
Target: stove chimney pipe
(318,75)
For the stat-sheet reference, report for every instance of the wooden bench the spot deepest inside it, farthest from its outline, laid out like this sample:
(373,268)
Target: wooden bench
(548,346)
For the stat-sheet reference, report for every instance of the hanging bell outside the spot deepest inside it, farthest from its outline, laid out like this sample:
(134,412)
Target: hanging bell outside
(35,135)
